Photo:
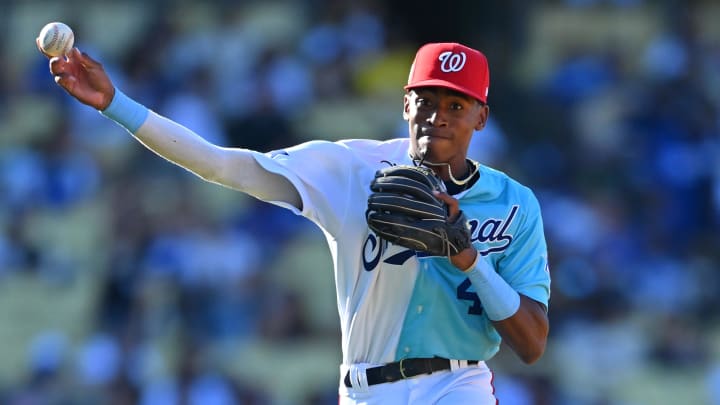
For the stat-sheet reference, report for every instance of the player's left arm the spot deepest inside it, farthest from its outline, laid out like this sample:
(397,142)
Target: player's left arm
(515,296)
(522,322)
(526,331)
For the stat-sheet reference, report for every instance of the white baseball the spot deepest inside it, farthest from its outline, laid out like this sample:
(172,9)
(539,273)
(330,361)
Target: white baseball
(56,39)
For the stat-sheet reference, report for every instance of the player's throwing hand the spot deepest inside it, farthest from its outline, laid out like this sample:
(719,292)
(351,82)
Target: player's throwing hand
(82,77)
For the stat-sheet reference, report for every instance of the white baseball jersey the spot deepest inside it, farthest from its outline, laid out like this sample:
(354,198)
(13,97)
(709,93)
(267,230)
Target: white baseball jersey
(394,302)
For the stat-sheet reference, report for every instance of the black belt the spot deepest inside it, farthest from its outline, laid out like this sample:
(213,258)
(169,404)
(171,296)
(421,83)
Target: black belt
(405,368)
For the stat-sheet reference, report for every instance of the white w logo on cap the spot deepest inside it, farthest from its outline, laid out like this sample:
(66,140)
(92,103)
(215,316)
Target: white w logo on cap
(452,62)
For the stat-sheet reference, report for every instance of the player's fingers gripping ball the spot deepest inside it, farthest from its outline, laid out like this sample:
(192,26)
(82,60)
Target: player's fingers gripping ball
(403,210)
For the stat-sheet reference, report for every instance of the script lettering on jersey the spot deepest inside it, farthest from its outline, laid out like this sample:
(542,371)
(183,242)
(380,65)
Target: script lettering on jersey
(490,231)
(493,230)
(374,248)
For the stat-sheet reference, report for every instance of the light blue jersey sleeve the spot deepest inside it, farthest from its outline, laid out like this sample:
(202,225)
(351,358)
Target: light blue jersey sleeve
(524,264)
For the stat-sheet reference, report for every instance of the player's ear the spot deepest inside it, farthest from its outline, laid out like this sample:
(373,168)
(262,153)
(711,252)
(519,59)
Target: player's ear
(406,106)
(482,117)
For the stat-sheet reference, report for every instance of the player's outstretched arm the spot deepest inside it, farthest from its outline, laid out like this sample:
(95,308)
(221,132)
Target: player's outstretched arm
(231,167)
(85,79)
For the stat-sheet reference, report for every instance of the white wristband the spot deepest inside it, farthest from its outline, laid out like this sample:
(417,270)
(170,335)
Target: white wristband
(499,300)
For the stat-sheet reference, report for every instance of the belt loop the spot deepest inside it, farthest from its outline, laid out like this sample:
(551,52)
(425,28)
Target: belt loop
(358,376)
(454,364)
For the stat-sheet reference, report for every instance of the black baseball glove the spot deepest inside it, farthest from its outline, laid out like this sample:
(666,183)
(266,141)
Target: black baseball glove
(403,210)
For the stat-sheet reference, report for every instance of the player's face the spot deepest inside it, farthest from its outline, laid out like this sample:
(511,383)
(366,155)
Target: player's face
(441,123)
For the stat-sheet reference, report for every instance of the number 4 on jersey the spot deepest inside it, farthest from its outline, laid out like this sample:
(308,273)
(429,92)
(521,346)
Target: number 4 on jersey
(463,294)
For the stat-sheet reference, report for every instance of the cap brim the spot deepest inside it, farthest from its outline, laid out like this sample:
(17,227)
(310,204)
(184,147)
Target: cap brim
(445,84)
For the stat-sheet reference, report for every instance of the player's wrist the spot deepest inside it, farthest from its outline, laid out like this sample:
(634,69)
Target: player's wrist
(108,97)
(126,111)
(466,259)
(499,300)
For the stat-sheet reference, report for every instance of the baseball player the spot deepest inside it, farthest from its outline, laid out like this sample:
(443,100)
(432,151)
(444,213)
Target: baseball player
(437,258)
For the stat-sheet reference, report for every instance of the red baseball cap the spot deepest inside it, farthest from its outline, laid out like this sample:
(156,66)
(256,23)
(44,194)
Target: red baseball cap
(451,65)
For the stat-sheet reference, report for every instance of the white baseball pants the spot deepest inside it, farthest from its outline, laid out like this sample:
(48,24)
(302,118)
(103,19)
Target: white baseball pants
(471,385)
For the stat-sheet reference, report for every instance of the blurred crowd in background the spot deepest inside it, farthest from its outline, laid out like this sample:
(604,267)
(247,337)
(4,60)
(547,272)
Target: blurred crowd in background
(127,280)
